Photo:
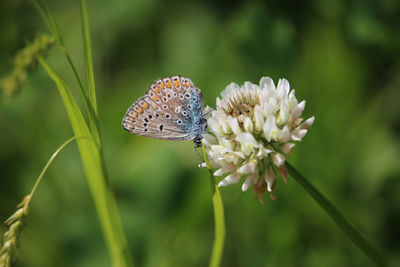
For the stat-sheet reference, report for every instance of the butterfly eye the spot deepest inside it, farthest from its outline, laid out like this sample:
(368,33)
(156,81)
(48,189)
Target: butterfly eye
(167,115)
(164,106)
(175,94)
(190,106)
(187,95)
(184,113)
(145,130)
(169,96)
(181,97)
(179,122)
(164,99)
(150,116)
(161,127)
(144,124)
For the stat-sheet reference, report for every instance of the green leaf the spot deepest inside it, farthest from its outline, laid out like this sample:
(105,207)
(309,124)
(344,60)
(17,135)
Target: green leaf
(94,168)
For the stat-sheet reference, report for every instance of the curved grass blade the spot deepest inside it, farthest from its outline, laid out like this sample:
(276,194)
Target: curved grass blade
(15,223)
(94,168)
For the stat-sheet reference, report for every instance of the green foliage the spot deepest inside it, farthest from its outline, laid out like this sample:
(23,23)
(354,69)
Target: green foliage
(89,144)
(90,148)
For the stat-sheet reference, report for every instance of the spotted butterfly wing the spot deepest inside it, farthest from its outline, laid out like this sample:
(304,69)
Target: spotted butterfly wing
(170,110)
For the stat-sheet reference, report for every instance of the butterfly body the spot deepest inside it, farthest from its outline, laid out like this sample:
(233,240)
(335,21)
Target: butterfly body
(172,109)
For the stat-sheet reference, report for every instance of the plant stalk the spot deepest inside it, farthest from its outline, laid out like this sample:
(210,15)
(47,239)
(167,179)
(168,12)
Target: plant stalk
(352,233)
(219,218)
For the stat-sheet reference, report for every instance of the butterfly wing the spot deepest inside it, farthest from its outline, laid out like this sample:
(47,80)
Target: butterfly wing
(162,113)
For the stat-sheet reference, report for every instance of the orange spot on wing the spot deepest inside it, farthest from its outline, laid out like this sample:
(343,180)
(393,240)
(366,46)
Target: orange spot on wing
(177,83)
(155,98)
(130,119)
(168,84)
(135,115)
(146,105)
(157,90)
(187,84)
(140,110)
(161,85)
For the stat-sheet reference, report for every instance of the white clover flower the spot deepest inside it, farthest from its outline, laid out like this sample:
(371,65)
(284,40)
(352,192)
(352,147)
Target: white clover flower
(252,129)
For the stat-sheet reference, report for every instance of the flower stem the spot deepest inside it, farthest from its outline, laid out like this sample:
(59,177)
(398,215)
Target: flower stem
(351,232)
(219,218)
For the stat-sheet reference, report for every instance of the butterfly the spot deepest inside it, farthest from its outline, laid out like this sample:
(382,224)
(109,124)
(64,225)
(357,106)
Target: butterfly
(171,109)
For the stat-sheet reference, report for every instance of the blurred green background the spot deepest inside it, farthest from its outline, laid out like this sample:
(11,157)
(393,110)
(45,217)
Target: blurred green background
(341,56)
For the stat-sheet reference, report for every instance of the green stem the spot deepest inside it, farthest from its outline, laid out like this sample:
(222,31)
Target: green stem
(52,25)
(91,88)
(50,161)
(88,100)
(351,232)
(219,218)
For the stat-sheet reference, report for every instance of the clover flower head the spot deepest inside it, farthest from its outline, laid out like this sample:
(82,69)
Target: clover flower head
(251,130)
